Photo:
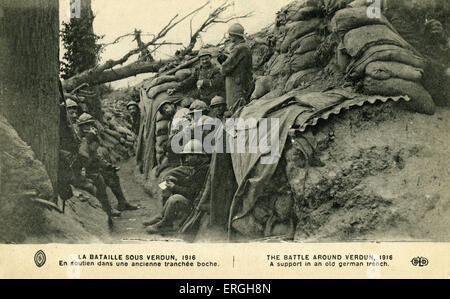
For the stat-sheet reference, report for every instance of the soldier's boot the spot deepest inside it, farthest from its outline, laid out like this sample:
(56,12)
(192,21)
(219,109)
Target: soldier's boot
(155,219)
(123,204)
(159,228)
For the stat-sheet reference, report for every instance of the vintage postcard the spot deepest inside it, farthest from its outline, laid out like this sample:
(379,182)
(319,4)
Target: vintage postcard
(244,139)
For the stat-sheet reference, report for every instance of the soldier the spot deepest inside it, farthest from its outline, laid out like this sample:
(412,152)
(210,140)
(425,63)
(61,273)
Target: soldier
(86,124)
(182,186)
(425,25)
(218,107)
(237,69)
(73,111)
(135,113)
(207,78)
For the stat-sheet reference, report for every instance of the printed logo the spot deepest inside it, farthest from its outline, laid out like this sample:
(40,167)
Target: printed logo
(419,261)
(40,258)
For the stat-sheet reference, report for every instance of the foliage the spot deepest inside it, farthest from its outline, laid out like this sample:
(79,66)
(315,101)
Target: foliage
(81,45)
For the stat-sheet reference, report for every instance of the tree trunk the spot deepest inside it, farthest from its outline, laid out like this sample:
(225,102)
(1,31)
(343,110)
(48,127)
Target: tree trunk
(29,68)
(93,77)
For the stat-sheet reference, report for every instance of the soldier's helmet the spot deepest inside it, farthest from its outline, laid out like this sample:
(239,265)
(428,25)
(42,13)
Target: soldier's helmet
(236,29)
(217,100)
(198,106)
(131,104)
(193,147)
(85,118)
(71,104)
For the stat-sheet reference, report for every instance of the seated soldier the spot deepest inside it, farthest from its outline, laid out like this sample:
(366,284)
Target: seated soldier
(73,111)
(182,186)
(218,107)
(207,78)
(86,125)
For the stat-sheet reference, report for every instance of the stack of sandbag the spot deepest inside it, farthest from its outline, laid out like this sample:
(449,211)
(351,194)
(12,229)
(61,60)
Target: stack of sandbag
(373,53)
(162,136)
(296,41)
(116,137)
(161,84)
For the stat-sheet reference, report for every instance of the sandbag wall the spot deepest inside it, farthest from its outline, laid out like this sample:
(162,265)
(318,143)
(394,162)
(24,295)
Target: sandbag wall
(374,55)
(116,136)
(154,132)
(295,39)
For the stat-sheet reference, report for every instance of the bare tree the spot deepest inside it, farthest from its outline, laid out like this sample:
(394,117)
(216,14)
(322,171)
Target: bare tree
(29,96)
(108,72)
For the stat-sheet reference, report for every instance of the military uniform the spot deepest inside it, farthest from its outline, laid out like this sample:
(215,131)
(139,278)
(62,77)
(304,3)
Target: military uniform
(239,83)
(213,82)
(188,182)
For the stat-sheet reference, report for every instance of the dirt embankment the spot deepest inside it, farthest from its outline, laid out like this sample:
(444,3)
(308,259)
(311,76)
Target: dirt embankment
(26,210)
(386,177)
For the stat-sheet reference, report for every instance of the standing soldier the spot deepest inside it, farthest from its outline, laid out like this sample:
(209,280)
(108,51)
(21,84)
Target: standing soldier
(135,113)
(237,68)
(207,78)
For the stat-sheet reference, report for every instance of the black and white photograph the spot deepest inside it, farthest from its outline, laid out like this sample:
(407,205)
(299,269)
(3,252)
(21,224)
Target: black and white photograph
(211,122)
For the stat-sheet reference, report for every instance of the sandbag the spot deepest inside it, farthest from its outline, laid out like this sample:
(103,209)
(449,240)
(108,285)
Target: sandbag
(307,43)
(306,13)
(296,79)
(384,53)
(183,74)
(160,116)
(383,70)
(262,86)
(350,18)
(162,127)
(110,139)
(421,100)
(115,134)
(160,80)
(358,40)
(280,66)
(303,61)
(300,29)
(154,91)
(359,3)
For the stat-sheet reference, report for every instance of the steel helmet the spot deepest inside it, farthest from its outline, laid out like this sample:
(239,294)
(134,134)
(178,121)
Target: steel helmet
(71,104)
(132,103)
(198,106)
(85,118)
(236,29)
(204,52)
(217,100)
(193,147)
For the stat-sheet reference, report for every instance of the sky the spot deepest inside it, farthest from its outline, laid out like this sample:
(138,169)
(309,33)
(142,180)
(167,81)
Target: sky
(118,17)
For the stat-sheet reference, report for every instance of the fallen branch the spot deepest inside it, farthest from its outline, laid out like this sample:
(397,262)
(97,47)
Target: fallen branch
(213,18)
(89,75)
